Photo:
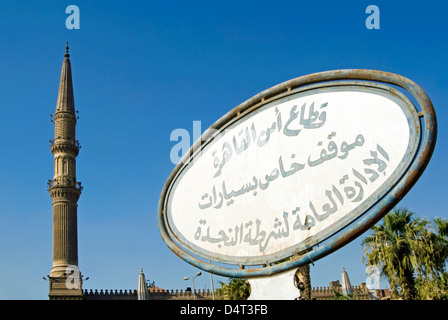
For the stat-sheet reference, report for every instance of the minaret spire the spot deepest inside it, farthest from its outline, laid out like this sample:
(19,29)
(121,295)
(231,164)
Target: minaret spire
(65,278)
(66,101)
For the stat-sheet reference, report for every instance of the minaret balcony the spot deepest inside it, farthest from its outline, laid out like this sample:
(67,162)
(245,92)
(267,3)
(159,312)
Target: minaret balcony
(65,145)
(64,191)
(64,182)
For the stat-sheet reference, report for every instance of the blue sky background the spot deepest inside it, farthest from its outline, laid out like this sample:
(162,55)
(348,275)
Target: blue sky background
(144,68)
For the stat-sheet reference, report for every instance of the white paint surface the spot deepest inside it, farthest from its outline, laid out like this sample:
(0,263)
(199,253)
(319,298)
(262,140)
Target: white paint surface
(253,208)
(275,287)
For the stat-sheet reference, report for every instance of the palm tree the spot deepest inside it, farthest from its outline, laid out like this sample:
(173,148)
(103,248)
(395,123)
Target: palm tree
(432,281)
(395,246)
(441,243)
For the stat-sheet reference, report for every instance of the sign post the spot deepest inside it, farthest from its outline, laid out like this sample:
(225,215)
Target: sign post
(295,173)
(279,286)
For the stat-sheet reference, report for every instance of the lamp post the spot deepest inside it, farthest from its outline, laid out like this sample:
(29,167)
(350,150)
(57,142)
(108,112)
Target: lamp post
(192,279)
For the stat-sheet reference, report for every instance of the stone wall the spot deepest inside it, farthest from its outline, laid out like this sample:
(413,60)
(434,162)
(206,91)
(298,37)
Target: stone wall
(153,295)
(360,292)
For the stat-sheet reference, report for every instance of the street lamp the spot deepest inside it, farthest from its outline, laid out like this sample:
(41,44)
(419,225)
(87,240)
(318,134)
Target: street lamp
(192,279)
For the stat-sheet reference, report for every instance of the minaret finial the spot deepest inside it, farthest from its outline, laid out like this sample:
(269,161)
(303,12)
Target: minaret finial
(66,51)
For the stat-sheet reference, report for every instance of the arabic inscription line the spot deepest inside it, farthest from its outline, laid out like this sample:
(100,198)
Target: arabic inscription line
(217,198)
(249,136)
(349,188)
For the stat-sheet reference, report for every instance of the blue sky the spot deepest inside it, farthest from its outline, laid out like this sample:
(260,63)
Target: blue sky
(144,68)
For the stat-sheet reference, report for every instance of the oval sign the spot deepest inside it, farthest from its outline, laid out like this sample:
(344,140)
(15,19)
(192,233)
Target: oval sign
(288,170)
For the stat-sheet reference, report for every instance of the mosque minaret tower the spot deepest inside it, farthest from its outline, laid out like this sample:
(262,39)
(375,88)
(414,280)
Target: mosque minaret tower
(65,278)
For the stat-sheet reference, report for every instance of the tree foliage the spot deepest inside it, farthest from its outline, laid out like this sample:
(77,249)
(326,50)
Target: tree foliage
(411,253)
(236,289)
(341,296)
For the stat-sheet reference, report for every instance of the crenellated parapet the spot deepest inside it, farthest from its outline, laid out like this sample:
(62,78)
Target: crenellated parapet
(153,294)
(360,292)
(110,294)
(204,294)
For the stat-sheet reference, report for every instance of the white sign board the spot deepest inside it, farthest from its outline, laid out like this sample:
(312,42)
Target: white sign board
(320,157)
(285,175)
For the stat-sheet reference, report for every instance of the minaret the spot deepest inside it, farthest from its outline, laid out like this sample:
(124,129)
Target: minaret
(346,285)
(65,278)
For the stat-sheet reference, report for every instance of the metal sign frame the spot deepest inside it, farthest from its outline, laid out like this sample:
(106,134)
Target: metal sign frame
(368,215)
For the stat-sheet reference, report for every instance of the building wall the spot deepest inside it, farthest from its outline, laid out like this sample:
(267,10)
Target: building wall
(360,292)
(327,293)
(153,295)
